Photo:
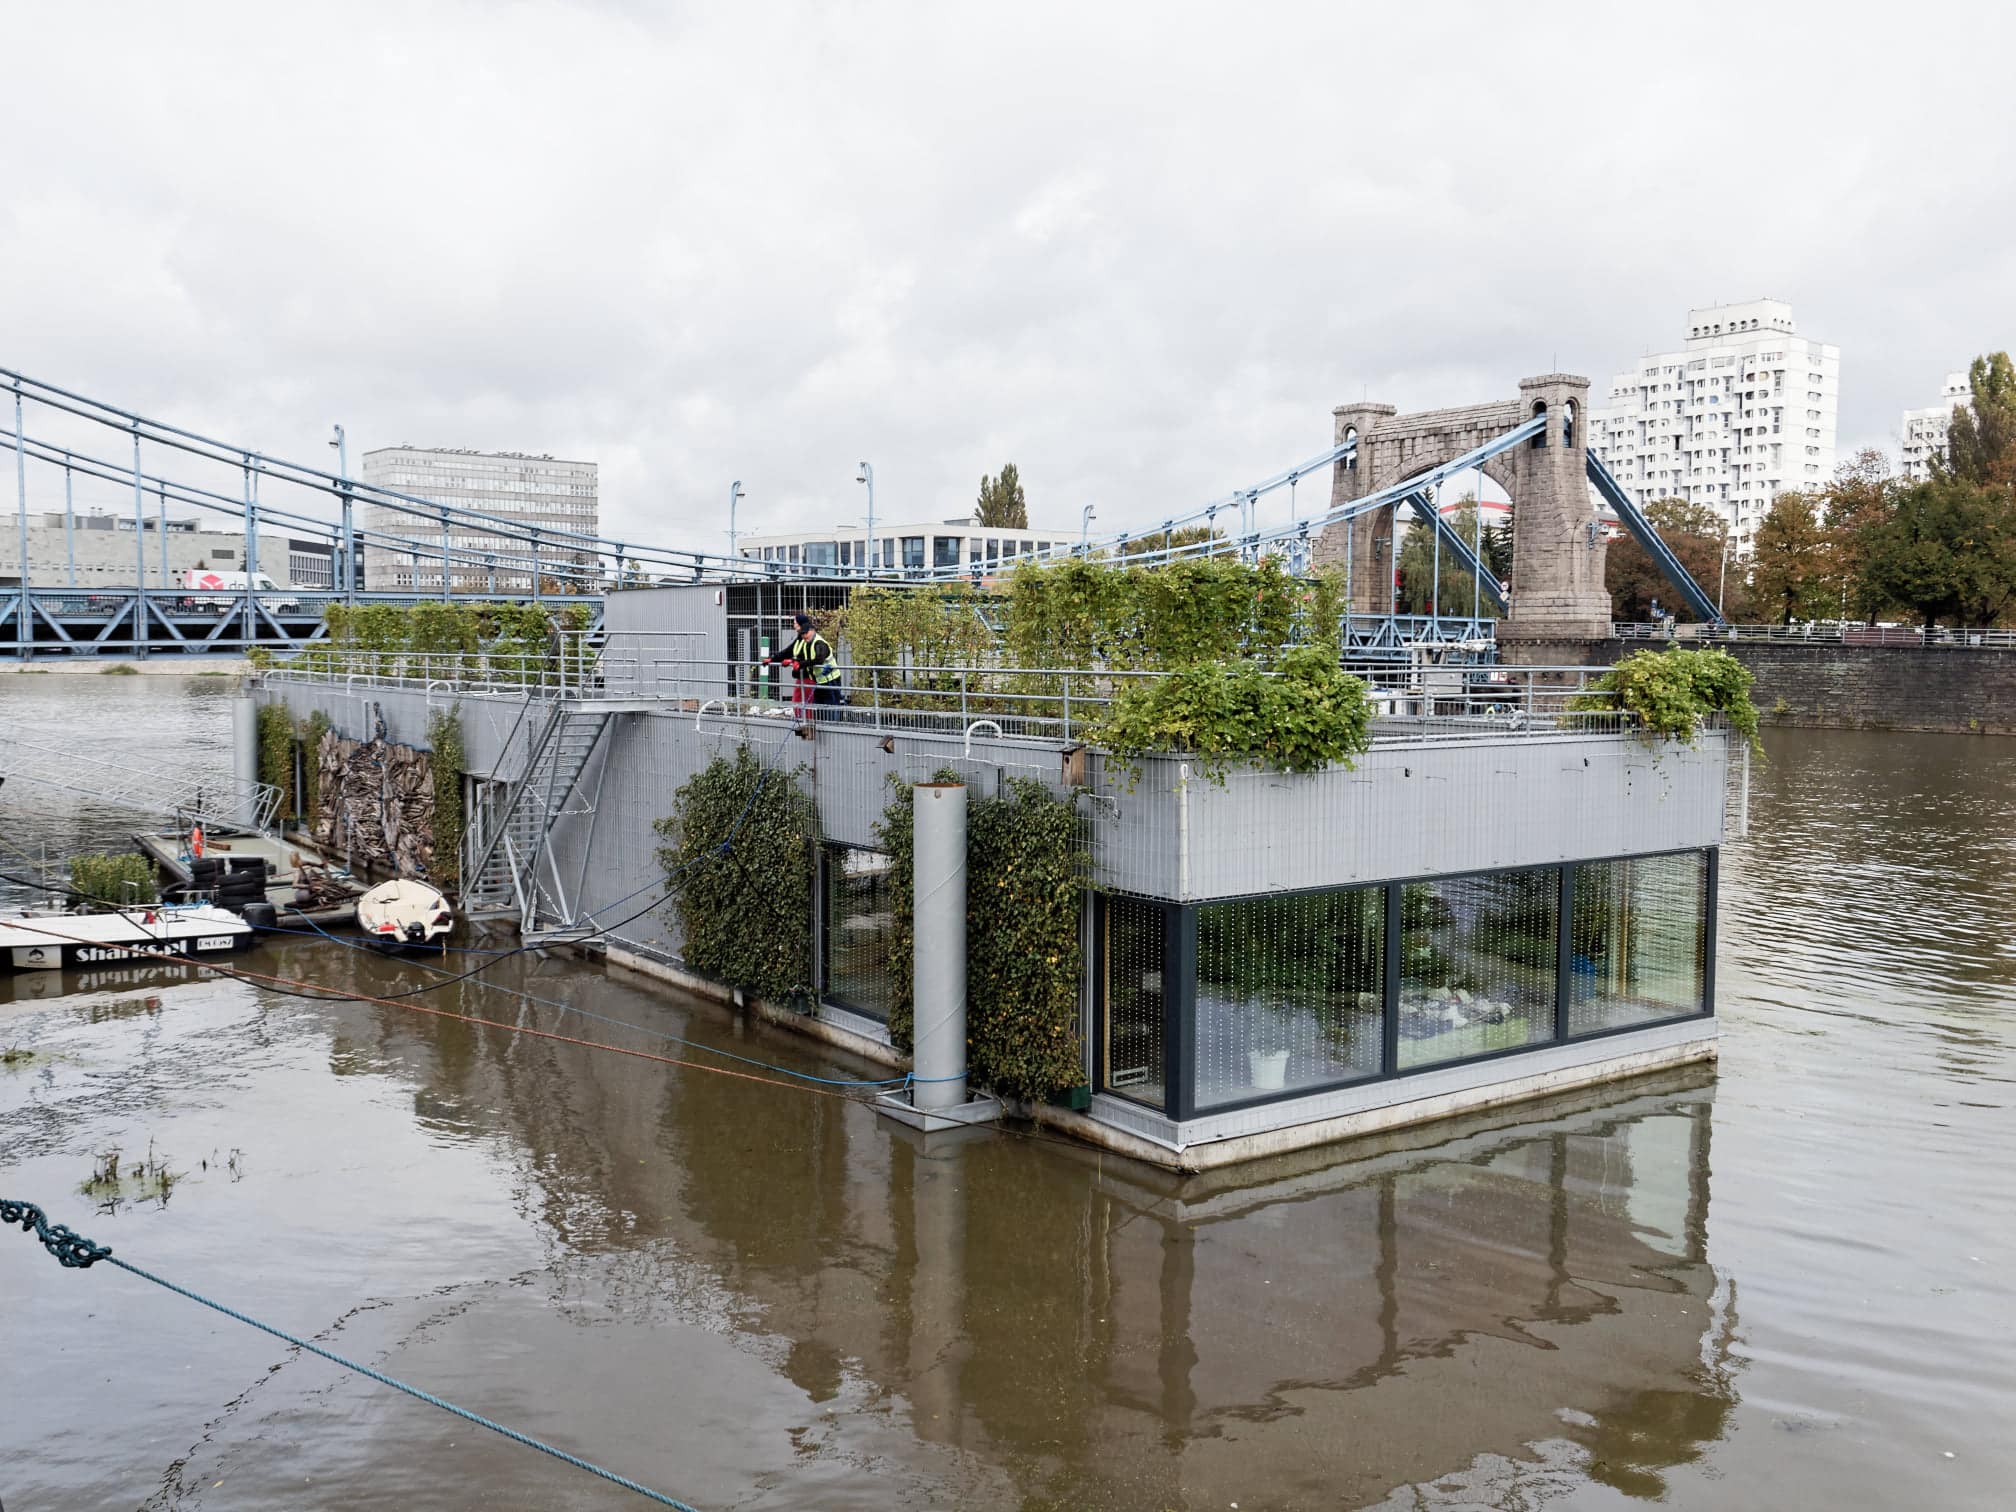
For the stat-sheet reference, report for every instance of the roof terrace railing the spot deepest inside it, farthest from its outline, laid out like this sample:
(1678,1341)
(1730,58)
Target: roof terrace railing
(1065,705)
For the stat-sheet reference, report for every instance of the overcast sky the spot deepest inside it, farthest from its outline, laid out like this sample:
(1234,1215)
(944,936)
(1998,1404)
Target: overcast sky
(1139,250)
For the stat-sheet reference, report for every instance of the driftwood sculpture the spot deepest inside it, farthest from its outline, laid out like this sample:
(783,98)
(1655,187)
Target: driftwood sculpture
(377,805)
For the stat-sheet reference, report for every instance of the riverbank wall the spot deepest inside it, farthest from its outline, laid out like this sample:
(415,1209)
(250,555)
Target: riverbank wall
(1824,685)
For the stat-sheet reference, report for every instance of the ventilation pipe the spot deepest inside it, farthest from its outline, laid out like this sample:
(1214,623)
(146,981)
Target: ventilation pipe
(939,973)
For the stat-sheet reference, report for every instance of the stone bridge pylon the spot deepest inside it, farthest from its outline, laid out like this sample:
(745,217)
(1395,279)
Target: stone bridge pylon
(1558,604)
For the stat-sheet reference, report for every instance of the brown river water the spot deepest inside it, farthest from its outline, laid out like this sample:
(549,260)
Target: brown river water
(1782,1282)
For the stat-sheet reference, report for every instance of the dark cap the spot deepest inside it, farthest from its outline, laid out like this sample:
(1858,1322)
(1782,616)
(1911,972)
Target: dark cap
(802,621)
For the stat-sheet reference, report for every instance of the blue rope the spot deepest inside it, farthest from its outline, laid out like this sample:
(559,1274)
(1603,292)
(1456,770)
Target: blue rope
(74,1251)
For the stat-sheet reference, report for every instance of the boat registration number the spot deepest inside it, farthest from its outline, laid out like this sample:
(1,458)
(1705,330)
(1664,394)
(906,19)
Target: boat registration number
(213,942)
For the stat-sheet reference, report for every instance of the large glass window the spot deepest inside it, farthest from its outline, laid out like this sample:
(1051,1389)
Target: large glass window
(860,923)
(1132,998)
(822,553)
(1477,964)
(913,551)
(944,551)
(1289,992)
(1637,941)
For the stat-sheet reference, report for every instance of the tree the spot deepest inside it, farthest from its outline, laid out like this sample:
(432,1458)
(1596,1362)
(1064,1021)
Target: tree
(1862,497)
(1792,564)
(1947,551)
(1981,444)
(1181,536)
(1692,532)
(1002,506)
(1419,579)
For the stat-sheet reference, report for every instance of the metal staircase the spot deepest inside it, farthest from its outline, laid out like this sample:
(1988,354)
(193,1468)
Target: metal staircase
(511,826)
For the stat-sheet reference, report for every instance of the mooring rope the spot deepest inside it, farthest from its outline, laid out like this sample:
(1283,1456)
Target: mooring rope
(73,1251)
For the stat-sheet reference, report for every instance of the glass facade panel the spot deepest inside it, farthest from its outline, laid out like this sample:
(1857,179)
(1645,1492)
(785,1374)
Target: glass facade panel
(944,551)
(1637,941)
(1477,964)
(1132,940)
(913,551)
(1289,992)
(859,925)
(822,553)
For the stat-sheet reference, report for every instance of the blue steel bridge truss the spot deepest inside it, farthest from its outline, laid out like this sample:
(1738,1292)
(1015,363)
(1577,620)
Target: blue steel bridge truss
(272,494)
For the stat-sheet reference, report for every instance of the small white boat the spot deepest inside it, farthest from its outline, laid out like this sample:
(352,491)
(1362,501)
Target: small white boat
(404,912)
(49,939)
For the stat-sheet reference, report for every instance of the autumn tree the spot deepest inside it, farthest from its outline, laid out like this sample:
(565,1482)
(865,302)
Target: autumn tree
(1792,561)
(1002,506)
(1981,444)
(1862,497)
(1692,532)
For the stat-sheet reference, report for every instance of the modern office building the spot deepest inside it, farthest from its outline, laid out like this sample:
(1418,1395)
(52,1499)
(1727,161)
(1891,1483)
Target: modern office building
(312,563)
(1745,410)
(526,490)
(898,549)
(1922,436)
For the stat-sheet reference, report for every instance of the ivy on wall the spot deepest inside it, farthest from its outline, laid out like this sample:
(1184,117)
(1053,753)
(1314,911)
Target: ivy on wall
(1024,892)
(312,731)
(276,754)
(445,767)
(739,858)
(1672,691)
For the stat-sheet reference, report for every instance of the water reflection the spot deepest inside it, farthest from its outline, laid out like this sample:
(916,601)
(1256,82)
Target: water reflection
(1317,1331)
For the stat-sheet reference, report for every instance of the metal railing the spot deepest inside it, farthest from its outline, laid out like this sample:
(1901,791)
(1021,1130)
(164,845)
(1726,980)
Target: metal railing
(1067,705)
(218,802)
(1823,633)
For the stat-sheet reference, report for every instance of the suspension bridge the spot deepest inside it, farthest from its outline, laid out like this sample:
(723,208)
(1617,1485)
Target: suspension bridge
(1381,466)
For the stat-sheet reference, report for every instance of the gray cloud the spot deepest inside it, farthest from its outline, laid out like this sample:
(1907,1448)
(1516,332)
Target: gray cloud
(1139,250)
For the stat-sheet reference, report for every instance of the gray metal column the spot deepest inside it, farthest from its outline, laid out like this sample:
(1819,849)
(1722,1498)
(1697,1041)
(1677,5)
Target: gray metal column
(245,756)
(939,973)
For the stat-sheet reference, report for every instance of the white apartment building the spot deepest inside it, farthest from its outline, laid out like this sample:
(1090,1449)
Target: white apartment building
(523,489)
(929,547)
(1923,435)
(1744,411)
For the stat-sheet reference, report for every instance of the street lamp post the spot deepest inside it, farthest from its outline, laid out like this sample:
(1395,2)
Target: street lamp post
(734,492)
(867,475)
(1722,581)
(348,563)
(1085,529)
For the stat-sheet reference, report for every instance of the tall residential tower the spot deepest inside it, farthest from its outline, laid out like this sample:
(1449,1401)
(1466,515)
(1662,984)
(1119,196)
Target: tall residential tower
(1923,436)
(1743,412)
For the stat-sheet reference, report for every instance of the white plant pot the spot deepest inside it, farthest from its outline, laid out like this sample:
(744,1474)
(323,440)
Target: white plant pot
(1270,1069)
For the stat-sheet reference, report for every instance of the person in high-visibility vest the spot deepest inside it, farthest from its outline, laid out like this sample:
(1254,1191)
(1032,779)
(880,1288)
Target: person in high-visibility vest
(810,656)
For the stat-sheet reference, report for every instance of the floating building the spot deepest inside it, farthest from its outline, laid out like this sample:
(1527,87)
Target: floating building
(1503,897)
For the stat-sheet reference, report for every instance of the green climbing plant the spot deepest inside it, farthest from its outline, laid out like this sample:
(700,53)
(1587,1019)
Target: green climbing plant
(739,859)
(1671,692)
(276,754)
(312,731)
(1024,893)
(1301,716)
(114,881)
(445,765)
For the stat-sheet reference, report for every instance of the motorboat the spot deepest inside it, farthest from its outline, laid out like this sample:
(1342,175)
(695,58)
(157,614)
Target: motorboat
(49,939)
(402,912)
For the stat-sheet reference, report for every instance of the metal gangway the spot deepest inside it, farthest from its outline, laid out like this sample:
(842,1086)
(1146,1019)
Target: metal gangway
(215,802)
